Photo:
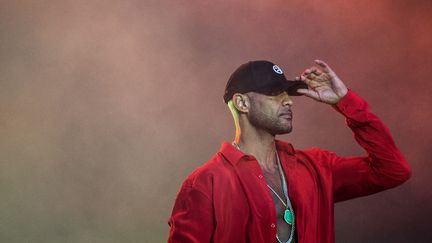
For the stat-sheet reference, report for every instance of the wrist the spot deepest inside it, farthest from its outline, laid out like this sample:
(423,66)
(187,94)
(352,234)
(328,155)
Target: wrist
(341,94)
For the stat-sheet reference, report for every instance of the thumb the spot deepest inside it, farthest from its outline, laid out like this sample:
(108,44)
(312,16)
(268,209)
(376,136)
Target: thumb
(309,93)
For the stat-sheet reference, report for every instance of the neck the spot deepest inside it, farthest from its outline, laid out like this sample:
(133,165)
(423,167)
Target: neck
(260,144)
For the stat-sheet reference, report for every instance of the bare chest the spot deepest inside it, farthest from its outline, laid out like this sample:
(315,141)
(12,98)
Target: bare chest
(273,180)
(275,186)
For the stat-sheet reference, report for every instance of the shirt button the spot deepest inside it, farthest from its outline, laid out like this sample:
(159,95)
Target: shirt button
(260,176)
(273,226)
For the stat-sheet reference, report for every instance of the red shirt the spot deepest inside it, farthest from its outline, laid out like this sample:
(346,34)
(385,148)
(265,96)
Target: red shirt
(227,200)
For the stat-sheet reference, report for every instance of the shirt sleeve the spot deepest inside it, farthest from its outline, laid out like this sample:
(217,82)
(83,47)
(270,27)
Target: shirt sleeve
(192,216)
(384,166)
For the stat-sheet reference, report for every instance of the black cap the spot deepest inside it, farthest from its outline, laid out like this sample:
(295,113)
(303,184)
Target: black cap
(262,77)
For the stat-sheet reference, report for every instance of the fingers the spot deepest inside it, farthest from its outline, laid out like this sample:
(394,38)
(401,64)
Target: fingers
(313,83)
(312,73)
(312,70)
(313,80)
(320,80)
(300,78)
(316,75)
(309,93)
(324,66)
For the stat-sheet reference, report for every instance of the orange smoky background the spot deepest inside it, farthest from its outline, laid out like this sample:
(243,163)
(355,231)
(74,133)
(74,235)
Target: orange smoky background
(106,106)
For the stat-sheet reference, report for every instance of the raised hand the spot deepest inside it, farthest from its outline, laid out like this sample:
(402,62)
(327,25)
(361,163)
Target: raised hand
(324,85)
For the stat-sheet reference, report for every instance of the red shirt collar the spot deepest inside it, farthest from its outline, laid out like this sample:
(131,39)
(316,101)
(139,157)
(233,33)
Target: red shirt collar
(233,155)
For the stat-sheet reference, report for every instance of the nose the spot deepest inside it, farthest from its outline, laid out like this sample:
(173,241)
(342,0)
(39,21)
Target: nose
(286,99)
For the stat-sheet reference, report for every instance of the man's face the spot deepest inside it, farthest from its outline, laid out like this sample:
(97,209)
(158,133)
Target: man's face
(271,113)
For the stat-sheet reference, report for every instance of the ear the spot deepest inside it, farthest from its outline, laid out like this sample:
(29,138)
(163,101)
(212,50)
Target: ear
(241,102)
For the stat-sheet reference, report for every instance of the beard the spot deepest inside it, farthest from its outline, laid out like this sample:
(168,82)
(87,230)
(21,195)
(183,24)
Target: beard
(274,125)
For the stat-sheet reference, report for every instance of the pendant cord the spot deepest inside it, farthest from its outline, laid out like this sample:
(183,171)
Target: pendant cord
(285,191)
(277,195)
(284,183)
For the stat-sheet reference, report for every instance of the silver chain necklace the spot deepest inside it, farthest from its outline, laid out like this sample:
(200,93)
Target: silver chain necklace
(289,212)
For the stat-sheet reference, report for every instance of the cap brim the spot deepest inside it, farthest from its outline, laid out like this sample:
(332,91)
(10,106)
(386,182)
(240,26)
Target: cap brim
(293,86)
(288,85)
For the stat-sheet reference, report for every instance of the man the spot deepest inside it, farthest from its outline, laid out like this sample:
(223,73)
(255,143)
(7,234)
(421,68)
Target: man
(261,190)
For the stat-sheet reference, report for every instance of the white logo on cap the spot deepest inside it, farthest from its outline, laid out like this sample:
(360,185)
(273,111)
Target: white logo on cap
(277,69)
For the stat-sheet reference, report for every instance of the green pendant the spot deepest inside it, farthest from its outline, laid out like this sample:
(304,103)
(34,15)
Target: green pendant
(288,217)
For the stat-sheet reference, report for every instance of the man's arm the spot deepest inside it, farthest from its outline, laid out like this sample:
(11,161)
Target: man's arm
(384,167)
(192,216)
